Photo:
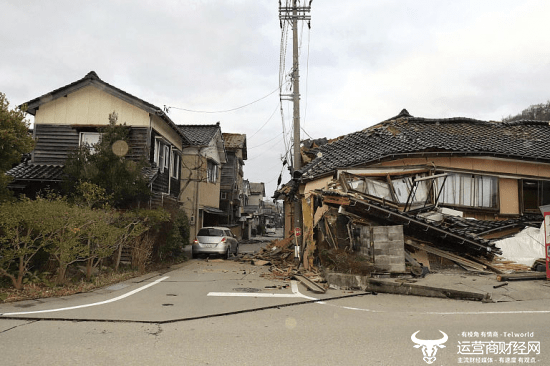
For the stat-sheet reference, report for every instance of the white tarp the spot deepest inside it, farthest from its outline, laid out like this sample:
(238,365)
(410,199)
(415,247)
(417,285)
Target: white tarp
(525,247)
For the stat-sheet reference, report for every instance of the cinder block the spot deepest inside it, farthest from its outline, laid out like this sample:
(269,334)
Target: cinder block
(381,259)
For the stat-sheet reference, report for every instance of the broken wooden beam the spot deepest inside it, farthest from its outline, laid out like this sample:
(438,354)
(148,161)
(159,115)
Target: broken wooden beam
(521,276)
(310,284)
(337,200)
(455,258)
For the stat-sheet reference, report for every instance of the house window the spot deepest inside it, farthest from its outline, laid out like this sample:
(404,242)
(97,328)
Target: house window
(175,165)
(223,195)
(162,155)
(469,190)
(535,193)
(212,172)
(89,139)
(166,163)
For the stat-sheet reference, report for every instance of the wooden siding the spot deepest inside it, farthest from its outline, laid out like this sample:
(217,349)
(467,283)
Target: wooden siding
(229,172)
(174,187)
(137,141)
(54,143)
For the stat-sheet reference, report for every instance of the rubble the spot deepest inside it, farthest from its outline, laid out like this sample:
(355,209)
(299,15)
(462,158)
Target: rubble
(355,226)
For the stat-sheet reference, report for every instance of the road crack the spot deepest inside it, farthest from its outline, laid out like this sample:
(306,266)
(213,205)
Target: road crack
(20,325)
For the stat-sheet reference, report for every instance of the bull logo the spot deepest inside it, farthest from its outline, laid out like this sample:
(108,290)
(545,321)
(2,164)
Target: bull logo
(429,347)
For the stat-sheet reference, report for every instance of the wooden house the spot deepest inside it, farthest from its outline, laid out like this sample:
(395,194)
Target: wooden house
(202,160)
(71,115)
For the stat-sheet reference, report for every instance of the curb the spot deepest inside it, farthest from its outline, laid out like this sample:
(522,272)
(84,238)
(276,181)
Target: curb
(402,288)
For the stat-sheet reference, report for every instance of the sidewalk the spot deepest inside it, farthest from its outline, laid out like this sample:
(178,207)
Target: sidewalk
(449,284)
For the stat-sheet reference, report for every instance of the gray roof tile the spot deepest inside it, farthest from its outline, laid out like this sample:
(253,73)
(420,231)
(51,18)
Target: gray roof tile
(200,135)
(405,135)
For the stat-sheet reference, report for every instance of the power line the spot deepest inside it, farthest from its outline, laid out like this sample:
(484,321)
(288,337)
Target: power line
(266,150)
(269,119)
(167,108)
(263,143)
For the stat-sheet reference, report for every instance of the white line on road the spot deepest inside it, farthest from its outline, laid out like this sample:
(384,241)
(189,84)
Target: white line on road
(93,304)
(296,294)
(293,286)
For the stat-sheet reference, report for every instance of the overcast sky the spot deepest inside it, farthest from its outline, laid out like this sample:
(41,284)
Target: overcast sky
(361,62)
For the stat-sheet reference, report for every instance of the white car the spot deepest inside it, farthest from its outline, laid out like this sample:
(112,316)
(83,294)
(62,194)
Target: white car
(215,240)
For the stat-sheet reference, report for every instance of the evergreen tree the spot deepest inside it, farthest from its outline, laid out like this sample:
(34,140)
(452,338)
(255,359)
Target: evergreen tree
(120,177)
(15,141)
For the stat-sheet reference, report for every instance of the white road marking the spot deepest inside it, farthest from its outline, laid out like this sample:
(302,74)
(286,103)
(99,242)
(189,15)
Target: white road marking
(296,293)
(293,287)
(93,304)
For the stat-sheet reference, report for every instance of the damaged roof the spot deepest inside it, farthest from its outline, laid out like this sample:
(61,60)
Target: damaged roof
(257,188)
(235,141)
(408,136)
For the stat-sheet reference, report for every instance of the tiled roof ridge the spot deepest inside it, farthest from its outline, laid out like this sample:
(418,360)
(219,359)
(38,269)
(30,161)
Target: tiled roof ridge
(217,124)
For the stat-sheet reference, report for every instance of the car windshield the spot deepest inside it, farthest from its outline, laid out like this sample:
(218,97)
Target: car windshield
(210,232)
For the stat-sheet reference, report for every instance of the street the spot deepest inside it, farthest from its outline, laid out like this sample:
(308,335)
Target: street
(222,312)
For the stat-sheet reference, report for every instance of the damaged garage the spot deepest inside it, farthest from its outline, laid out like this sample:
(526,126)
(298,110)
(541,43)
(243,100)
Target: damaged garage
(413,193)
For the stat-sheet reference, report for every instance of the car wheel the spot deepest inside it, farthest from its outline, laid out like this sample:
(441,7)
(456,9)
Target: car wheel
(193,255)
(237,250)
(228,253)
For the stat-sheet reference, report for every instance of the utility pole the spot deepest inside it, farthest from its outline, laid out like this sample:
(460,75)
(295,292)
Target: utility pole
(293,14)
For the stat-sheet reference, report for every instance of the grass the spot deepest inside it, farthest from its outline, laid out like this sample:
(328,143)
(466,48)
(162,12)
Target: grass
(40,290)
(33,291)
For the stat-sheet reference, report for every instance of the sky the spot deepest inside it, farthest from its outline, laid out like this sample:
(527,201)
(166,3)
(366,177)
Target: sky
(227,61)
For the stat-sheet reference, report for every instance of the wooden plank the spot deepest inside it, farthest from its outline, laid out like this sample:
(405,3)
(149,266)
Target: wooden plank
(522,276)
(307,241)
(421,257)
(337,200)
(447,255)
(310,284)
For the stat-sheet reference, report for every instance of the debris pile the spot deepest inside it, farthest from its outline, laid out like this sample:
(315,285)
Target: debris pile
(360,230)
(279,257)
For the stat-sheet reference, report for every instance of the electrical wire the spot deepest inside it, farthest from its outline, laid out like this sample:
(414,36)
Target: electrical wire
(263,143)
(167,108)
(266,150)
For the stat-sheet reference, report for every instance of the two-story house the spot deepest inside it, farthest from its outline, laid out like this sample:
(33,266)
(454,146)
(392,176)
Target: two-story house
(232,199)
(72,115)
(201,164)
(255,207)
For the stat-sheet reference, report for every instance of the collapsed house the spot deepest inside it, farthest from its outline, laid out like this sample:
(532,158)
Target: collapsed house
(417,190)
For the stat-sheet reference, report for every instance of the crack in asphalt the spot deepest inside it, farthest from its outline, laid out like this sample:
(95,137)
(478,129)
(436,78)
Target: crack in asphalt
(20,325)
(178,320)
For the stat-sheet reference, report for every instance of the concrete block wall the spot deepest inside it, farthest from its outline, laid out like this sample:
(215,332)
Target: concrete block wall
(386,245)
(389,248)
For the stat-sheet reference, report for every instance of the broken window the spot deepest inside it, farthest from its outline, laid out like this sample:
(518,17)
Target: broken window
(402,188)
(398,192)
(469,190)
(535,194)
(373,187)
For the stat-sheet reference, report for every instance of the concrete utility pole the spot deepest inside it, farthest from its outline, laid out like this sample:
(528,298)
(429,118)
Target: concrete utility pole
(294,14)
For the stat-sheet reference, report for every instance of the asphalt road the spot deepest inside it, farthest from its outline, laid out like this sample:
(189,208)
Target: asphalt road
(220,312)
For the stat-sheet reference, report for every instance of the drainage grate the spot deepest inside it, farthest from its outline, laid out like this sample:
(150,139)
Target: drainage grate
(247,289)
